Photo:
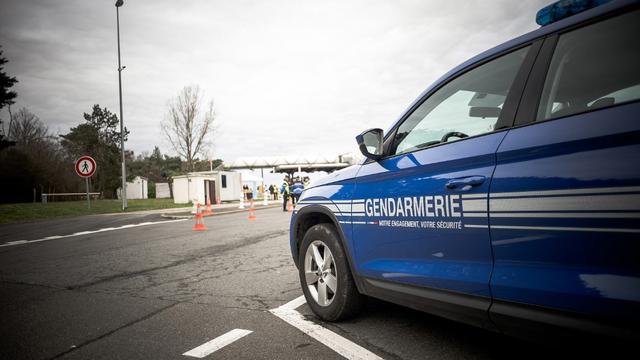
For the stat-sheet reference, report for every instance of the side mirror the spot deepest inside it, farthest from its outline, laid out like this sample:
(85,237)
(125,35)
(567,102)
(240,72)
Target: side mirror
(370,143)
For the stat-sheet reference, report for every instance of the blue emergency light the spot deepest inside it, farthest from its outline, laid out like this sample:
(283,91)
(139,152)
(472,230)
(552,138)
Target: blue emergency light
(565,8)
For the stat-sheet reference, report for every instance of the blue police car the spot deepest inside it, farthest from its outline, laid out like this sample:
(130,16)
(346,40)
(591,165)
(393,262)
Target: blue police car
(507,196)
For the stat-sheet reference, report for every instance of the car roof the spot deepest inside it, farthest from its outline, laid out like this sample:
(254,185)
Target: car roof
(523,39)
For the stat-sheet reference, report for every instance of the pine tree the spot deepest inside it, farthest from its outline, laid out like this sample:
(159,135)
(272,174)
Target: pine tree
(6,97)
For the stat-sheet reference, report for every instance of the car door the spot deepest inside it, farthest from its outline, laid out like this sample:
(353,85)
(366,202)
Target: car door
(565,196)
(419,216)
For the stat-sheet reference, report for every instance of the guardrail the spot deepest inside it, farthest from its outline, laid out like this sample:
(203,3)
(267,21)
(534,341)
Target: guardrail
(45,197)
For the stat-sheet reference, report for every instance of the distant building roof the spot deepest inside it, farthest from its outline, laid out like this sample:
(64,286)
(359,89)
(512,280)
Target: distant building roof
(287,163)
(200,173)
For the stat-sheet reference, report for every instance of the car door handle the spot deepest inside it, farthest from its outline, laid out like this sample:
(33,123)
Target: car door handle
(465,183)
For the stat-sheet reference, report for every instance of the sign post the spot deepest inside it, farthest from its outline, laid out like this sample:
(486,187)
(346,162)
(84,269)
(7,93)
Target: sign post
(86,181)
(86,167)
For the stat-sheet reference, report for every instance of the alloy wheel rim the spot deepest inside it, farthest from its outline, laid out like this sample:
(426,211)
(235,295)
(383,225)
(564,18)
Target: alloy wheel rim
(320,273)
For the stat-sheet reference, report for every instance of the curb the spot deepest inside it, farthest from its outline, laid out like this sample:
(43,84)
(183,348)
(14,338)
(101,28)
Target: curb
(191,216)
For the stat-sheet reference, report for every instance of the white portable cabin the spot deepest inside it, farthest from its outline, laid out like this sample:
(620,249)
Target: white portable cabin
(138,188)
(254,183)
(204,185)
(162,191)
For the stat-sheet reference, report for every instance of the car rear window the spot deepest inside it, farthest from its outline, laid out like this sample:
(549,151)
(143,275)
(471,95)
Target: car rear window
(593,67)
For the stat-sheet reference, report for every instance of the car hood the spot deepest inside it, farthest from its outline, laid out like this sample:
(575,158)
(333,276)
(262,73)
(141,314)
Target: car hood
(337,176)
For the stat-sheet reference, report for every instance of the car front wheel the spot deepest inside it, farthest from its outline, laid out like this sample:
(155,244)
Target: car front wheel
(325,276)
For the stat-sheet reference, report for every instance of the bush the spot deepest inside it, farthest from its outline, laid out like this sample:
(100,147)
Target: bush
(151,190)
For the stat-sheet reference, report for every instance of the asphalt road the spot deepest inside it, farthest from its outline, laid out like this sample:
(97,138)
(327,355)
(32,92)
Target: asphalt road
(159,290)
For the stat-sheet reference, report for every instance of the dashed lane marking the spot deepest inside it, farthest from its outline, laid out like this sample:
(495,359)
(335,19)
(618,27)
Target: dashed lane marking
(217,343)
(333,341)
(21,242)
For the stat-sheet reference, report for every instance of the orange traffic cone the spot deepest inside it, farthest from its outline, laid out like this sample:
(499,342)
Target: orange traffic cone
(218,200)
(208,211)
(252,212)
(199,226)
(290,206)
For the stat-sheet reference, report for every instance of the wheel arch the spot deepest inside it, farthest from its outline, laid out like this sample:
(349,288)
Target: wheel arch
(312,215)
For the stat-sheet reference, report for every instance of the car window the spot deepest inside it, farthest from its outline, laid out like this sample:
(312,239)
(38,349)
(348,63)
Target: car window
(466,106)
(593,67)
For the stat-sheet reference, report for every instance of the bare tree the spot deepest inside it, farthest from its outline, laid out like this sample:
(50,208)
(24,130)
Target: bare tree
(189,124)
(27,129)
(36,163)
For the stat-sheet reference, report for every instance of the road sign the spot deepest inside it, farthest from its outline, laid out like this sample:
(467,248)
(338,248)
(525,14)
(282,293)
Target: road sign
(85,166)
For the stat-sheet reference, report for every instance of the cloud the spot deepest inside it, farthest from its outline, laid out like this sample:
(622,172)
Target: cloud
(286,76)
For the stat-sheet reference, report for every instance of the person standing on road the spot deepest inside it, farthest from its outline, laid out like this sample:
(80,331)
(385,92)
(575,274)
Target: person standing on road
(284,190)
(296,189)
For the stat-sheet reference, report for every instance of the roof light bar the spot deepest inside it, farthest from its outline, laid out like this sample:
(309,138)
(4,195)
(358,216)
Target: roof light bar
(565,8)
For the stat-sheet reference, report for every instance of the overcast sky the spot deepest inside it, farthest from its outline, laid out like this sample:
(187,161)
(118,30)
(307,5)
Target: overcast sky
(287,77)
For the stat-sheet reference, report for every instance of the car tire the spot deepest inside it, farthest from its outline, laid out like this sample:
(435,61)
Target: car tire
(325,275)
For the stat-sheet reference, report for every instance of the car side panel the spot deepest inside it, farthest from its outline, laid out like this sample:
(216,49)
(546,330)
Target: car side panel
(565,215)
(429,254)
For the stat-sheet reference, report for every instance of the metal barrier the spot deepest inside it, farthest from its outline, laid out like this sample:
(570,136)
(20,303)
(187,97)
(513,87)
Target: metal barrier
(46,197)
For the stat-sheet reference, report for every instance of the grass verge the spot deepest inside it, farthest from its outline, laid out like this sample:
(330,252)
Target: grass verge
(25,212)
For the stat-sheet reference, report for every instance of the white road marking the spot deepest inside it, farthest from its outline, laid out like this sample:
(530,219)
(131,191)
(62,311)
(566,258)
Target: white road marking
(294,304)
(16,242)
(325,336)
(21,242)
(217,343)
